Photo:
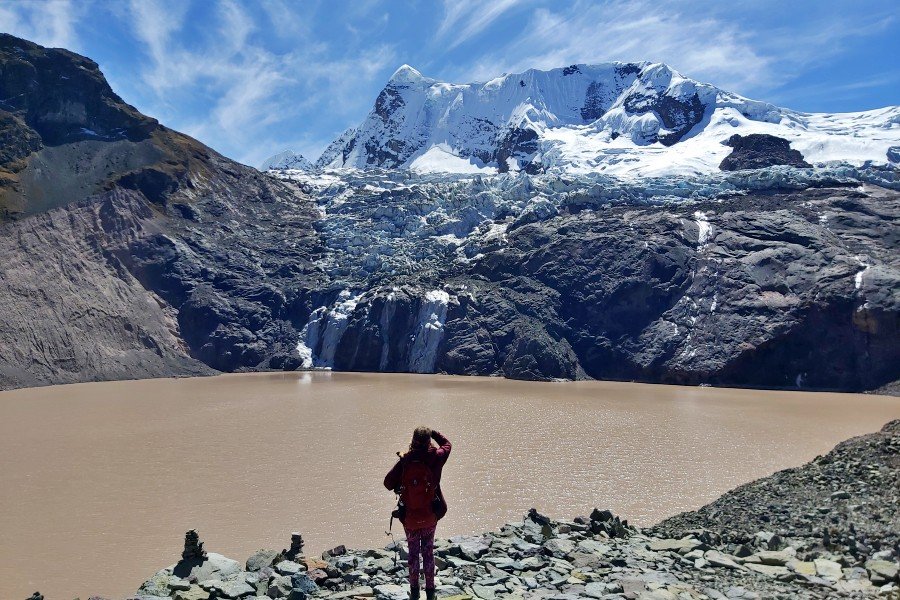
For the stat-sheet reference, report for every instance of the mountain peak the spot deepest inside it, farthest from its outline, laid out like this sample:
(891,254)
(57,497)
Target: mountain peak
(609,117)
(286,160)
(406,75)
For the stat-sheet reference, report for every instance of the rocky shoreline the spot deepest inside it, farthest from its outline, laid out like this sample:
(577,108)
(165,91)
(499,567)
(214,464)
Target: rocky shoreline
(827,529)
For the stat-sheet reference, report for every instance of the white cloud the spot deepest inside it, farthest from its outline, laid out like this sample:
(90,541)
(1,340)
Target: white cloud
(705,40)
(464,19)
(49,23)
(250,87)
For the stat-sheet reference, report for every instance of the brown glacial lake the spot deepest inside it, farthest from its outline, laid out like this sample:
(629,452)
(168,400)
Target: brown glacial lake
(99,482)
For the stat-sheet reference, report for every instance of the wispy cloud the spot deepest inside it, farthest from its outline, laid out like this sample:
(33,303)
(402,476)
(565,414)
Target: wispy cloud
(250,87)
(701,39)
(464,19)
(49,23)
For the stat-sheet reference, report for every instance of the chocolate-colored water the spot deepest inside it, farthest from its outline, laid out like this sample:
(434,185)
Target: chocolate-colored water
(99,482)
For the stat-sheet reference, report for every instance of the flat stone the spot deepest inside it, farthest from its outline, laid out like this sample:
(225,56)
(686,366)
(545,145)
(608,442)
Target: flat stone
(559,548)
(593,547)
(390,591)
(362,591)
(487,592)
(596,589)
(777,558)
(237,589)
(289,567)
(280,587)
(194,592)
(768,570)
(214,567)
(471,547)
(682,545)
(458,562)
(828,569)
(261,558)
(802,567)
(720,559)
(175,584)
(882,571)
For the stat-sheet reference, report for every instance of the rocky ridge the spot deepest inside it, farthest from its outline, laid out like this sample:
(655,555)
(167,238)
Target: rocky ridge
(790,546)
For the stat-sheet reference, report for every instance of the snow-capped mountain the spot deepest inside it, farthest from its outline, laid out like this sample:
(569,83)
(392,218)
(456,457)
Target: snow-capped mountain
(616,118)
(286,160)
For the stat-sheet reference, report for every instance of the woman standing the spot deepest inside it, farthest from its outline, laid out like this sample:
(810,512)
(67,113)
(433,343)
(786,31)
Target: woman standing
(417,478)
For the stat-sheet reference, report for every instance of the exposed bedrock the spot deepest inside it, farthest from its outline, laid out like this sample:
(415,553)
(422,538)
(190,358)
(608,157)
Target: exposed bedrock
(71,310)
(760,150)
(779,291)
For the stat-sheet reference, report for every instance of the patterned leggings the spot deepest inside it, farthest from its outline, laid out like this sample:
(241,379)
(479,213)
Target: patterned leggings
(421,540)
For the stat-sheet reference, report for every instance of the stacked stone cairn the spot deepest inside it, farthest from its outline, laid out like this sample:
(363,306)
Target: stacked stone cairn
(193,547)
(296,546)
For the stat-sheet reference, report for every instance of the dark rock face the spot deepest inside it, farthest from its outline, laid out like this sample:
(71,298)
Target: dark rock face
(388,101)
(760,150)
(594,105)
(63,96)
(520,144)
(893,154)
(678,116)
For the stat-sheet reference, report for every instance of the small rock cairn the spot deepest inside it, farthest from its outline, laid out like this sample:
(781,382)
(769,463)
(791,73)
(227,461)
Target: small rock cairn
(296,548)
(193,547)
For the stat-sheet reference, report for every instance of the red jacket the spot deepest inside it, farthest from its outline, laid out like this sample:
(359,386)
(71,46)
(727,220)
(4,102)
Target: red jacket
(434,458)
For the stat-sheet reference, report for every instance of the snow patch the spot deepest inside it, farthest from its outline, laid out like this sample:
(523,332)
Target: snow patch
(429,331)
(442,159)
(858,278)
(704,229)
(321,334)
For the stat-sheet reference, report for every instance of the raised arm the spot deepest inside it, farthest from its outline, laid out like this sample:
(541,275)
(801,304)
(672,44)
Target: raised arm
(444,445)
(392,479)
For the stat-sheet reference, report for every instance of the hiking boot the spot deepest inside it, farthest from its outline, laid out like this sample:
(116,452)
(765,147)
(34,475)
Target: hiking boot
(413,593)
(430,594)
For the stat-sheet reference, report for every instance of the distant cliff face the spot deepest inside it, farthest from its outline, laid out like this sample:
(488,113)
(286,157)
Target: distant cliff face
(130,250)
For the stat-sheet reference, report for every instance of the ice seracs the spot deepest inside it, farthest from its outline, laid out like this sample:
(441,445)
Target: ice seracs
(622,119)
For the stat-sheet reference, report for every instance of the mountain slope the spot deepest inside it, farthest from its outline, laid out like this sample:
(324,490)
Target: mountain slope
(100,206)
(616,118)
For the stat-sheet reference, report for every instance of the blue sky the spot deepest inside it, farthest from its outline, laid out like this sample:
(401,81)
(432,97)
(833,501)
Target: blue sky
(253,78)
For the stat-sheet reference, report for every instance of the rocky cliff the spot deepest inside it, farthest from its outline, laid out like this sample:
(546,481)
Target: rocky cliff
(93,194)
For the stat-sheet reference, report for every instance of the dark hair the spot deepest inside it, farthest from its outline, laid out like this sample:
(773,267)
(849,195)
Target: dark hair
(421,438)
